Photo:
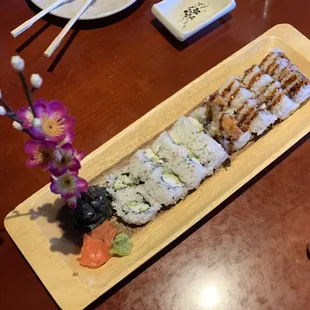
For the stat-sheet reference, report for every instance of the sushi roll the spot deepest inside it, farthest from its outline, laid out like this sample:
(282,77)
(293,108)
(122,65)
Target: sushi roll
(189,132)
(213,128)
(255,80)
(135,206)
(275,63)
(165,187)
(180,160)
(282,106)
(142,163)
(250,73)
(297,87)
(277,67)
(279,104)
(218,106)
(290,79)
(225,124)
(233,93)
(234,136)
(294,84)
(247,107)
(119,180)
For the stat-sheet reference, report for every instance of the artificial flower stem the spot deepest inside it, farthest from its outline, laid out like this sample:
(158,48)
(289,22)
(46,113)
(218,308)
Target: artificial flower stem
(6,105)
(27,92)
(12,116)
(28,133)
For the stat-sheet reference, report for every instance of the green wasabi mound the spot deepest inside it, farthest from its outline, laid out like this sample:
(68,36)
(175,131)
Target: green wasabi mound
(121,245)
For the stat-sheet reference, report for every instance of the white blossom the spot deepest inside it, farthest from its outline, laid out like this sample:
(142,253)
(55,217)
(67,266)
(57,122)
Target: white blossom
(17,125)
(2,110)
(36,80)
(36,122)
(18,63)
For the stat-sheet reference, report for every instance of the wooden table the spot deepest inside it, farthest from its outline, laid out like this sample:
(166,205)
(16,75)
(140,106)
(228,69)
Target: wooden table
(251,255)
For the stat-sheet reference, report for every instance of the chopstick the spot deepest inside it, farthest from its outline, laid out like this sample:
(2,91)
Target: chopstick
(50,50)
(27,24)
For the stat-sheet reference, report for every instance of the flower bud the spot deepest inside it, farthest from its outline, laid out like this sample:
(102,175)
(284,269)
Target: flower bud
(2,110)
(18,63)
(17,125)
(36,80)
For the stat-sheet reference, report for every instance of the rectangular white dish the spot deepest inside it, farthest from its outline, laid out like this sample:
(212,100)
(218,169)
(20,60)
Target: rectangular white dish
(183,18)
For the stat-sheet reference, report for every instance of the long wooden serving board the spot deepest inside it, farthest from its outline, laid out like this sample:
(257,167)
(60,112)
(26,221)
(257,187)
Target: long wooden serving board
(33,225)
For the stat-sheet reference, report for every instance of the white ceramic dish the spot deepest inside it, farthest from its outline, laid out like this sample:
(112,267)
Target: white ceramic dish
(98,9)
(183,18)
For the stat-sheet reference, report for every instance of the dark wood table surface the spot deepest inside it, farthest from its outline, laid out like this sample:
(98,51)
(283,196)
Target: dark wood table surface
(250,255)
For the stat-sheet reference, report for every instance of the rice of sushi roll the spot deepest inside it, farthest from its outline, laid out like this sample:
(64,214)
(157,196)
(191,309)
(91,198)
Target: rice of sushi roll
(142,163)
(135,206)
(282,106)
(165,187)
(231,145)
(270,92)
(255,80)
(279,104)
(234,136)
(261,83)
(200,114)
(246,108)
(241,141)
(300,92)
(250,73)
(180,160)
(189,132)
(261,122)
(238,98)
(230,87)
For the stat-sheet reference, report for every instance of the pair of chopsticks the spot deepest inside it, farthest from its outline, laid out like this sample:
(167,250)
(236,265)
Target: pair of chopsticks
(27,24)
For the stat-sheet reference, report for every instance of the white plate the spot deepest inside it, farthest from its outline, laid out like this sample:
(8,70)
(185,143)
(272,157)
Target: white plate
(99,8)
(183,18)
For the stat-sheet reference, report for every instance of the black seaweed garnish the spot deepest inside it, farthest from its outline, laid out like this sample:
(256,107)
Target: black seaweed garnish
(93,208)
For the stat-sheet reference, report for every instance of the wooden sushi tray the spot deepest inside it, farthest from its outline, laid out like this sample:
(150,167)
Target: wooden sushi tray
(74,287)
